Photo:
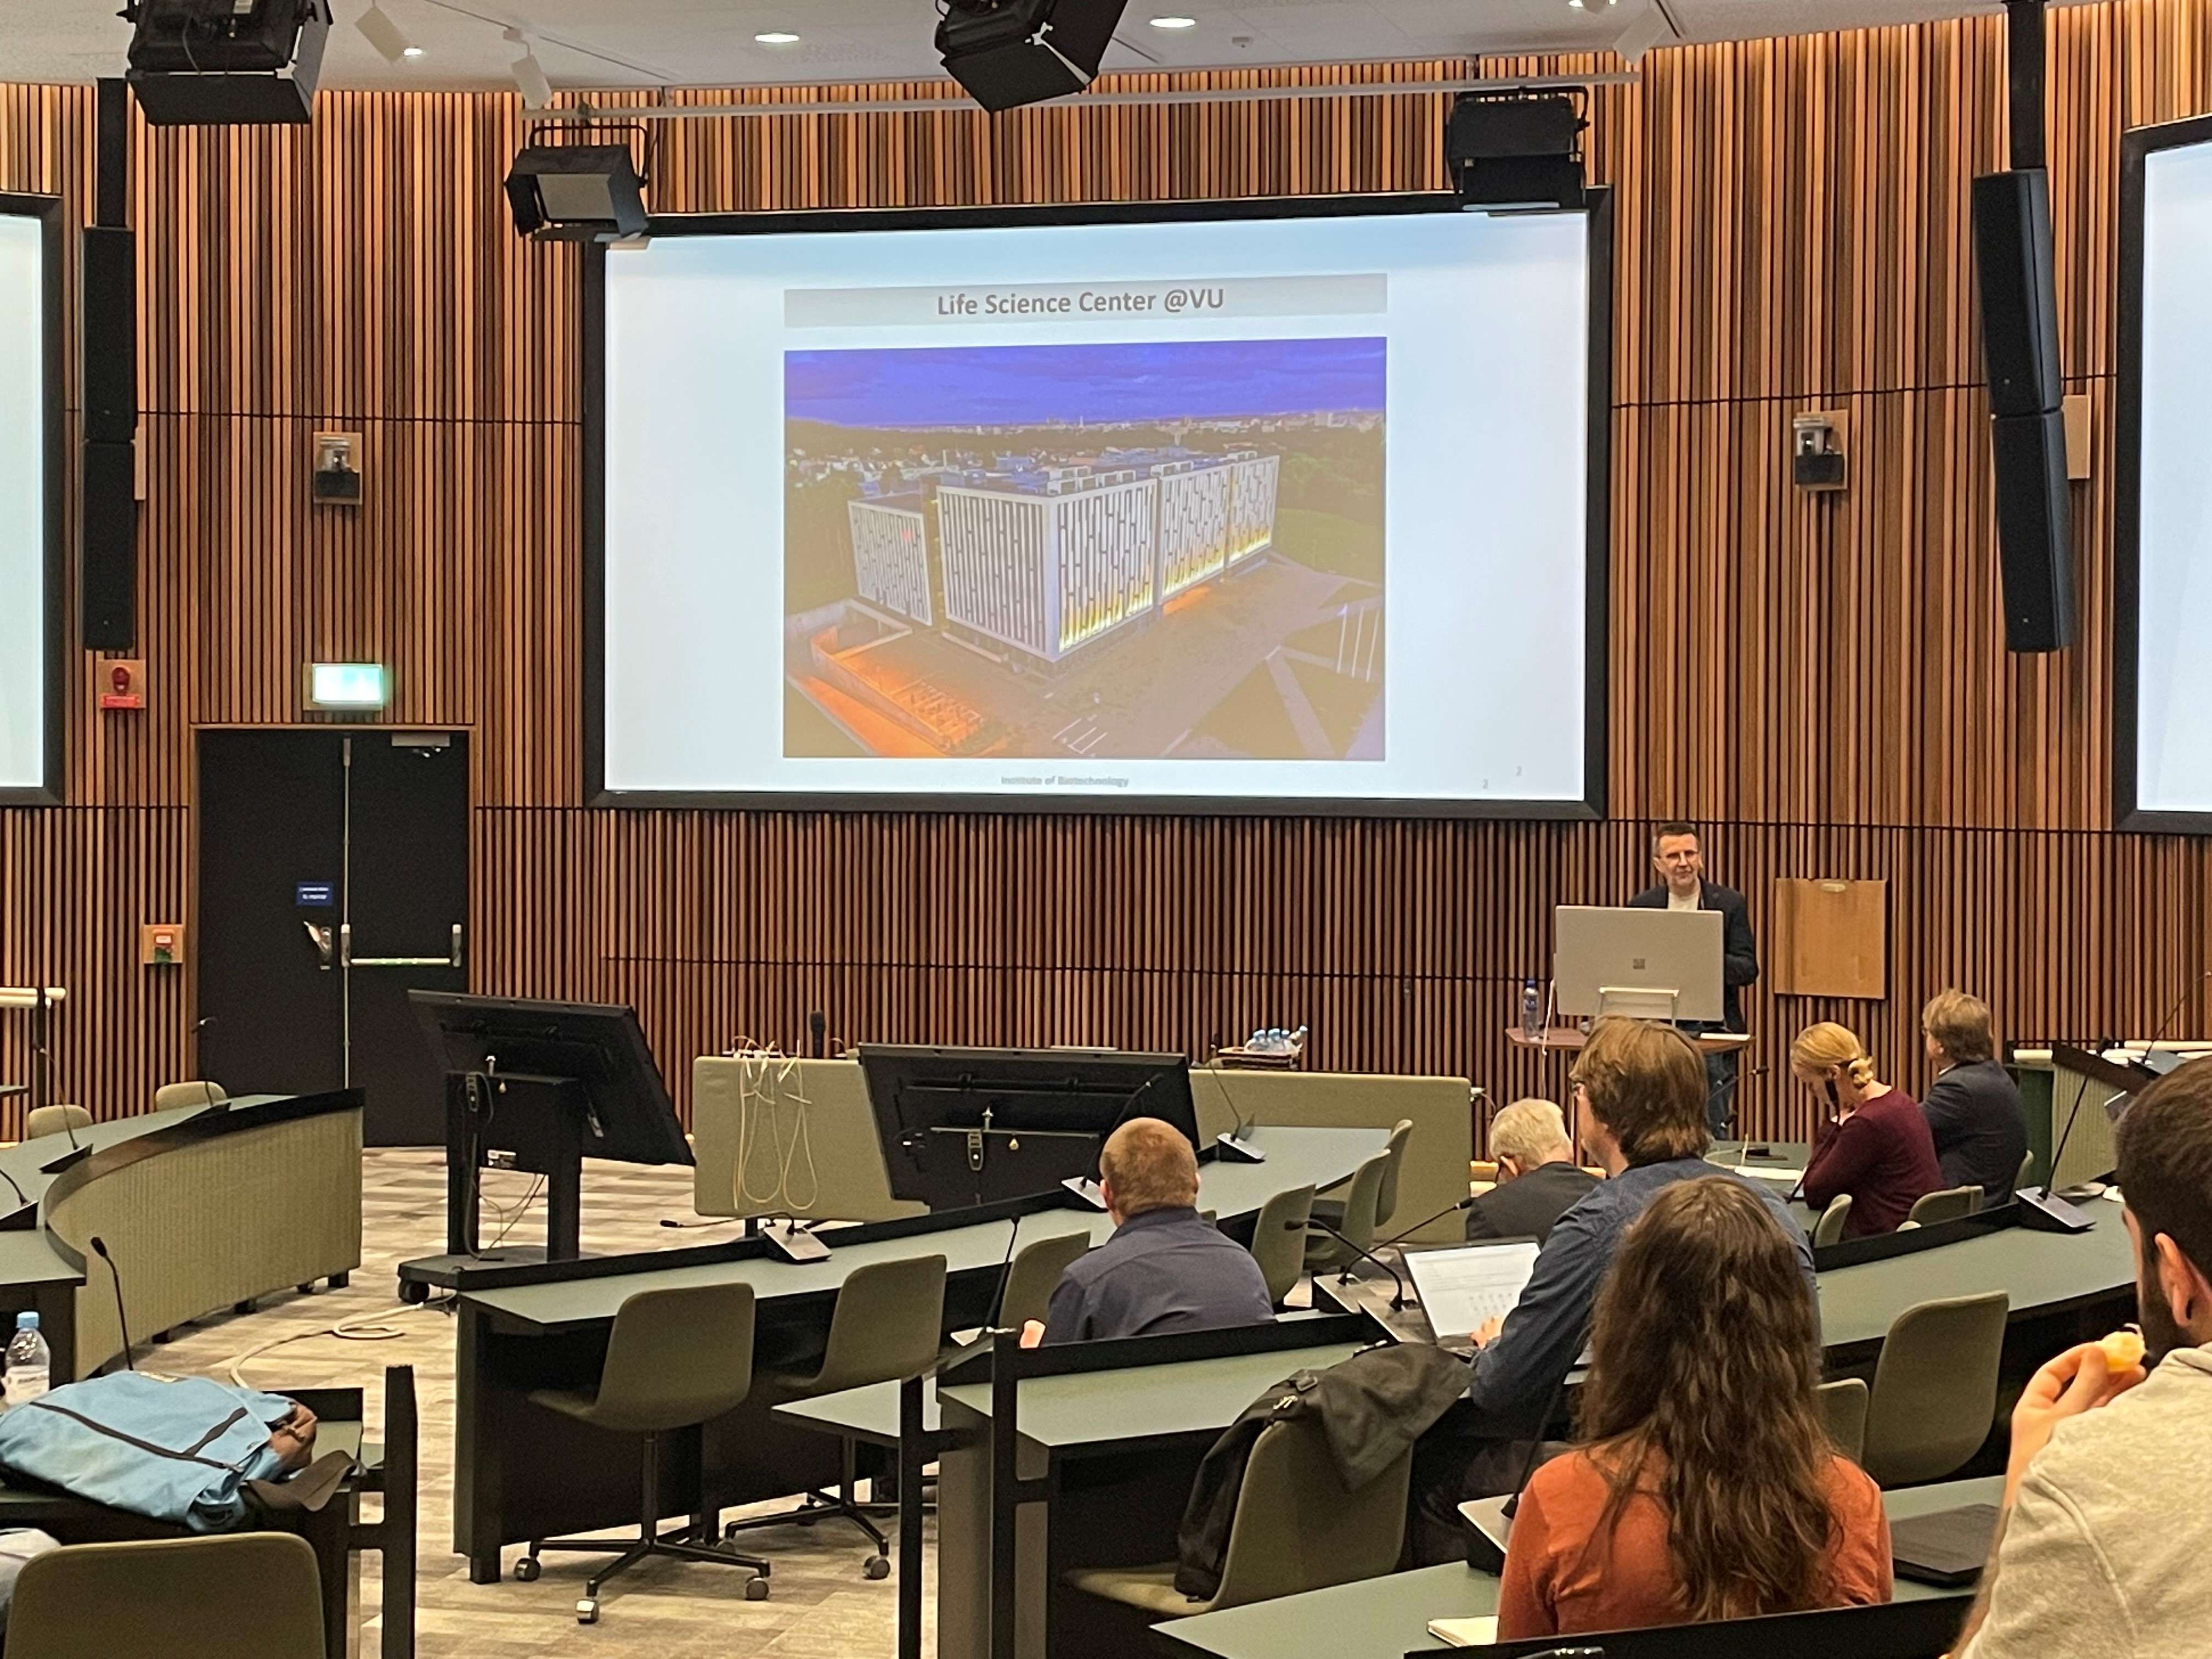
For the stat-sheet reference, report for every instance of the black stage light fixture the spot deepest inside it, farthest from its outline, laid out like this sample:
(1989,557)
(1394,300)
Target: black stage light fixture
(1011,53)
(226,63)
(583,192)
(1516,150)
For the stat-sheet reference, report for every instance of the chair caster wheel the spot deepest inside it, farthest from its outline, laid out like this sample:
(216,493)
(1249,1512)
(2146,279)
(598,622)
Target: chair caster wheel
(756,1590)
(413,1293)
(587,1610)
(877,1566)
(525,1570)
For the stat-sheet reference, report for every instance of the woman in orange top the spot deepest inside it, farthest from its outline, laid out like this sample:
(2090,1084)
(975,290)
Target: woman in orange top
(1705,1487)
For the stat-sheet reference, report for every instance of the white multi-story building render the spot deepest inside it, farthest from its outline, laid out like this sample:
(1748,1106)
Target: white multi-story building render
(890,555)
(1251,503)
(994,546)
(1103,550)
(1047,556)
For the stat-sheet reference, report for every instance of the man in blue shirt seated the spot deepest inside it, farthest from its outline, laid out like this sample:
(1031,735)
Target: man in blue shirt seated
(1165,1268)
(1640,1091)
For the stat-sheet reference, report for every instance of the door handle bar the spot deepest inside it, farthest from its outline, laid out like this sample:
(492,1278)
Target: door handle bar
(451,959)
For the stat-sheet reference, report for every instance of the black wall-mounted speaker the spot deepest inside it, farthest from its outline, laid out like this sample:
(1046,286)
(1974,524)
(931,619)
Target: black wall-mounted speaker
(2035,530)
(2020,300)
(108,567)
(109,313)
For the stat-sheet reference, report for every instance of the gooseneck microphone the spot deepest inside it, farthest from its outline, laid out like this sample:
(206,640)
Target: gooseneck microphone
(1398,1299)
(1466,1203)
(122,1324)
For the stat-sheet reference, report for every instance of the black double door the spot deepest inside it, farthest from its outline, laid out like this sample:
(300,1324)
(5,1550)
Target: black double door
(333,880)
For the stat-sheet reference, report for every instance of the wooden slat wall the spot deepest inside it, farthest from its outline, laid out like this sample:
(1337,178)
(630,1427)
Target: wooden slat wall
(1820,679)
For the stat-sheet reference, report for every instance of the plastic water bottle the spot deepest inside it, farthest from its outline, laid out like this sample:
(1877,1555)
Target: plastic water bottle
(30,1364)
(1532,1011)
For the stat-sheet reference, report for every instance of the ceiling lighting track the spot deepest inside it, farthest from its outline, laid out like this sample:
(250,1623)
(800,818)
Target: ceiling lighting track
(585,110)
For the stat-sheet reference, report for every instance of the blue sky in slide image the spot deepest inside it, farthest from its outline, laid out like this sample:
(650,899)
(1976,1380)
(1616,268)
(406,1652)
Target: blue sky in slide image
(1018,385)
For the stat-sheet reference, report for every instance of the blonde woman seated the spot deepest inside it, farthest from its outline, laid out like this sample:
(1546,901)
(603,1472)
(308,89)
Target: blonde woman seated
(1873,1140)
(1704,1487)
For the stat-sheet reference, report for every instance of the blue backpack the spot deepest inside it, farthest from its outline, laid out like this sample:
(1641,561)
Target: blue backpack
(187,1452)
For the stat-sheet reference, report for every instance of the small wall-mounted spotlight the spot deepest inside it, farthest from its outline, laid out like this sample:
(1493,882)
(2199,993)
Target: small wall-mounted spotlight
(1816,449)
(337,476)
(577,193)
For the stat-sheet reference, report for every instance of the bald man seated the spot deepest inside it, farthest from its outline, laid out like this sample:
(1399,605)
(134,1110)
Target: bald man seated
(1165,1268)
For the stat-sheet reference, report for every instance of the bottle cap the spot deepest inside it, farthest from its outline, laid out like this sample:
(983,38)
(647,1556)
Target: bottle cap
(27,1321)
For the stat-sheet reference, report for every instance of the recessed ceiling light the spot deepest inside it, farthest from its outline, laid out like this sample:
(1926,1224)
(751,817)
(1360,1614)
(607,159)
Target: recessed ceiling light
(777,38)
(1174,22)
(411,51)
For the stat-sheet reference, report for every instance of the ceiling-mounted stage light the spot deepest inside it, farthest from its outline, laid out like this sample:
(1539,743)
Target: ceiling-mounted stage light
(1516,150)
(530,76)
(1011,53)
(380,31)
(245,63)
(577,193)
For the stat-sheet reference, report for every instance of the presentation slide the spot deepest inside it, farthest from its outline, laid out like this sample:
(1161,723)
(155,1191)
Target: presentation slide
(22,505)
(1270,509)
(2173,619)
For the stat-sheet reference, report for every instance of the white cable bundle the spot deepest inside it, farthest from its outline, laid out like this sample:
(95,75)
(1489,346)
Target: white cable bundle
(767,1077)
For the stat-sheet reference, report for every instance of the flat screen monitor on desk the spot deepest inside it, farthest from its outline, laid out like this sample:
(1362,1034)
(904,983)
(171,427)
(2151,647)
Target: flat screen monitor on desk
(1647,964)
(628,1117)
(961,1127)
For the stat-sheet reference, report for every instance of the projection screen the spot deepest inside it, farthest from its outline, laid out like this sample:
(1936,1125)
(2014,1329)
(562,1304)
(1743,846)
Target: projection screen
(30,495)
(2162,747)
(1284,506)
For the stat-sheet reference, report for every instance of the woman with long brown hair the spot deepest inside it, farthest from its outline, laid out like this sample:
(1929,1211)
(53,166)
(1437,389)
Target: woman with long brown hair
(1704,1485)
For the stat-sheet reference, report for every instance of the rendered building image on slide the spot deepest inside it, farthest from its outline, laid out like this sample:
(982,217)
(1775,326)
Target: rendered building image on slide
(1155,551)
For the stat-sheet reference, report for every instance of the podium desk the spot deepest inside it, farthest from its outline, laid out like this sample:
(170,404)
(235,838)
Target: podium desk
(522,1472)
(1387,1617)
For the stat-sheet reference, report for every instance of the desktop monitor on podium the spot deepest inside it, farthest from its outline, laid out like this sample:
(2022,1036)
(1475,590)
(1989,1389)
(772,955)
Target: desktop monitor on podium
(543,1086)
(962,1126)
(1645,964)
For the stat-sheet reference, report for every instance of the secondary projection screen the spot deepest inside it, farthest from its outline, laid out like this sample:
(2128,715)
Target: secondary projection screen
(29,499)
(2163,743)
(1283,506)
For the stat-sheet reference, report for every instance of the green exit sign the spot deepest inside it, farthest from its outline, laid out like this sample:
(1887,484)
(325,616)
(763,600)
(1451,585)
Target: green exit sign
(353,685)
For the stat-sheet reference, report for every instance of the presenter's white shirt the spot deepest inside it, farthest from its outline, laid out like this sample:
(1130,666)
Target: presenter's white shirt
(1676,901)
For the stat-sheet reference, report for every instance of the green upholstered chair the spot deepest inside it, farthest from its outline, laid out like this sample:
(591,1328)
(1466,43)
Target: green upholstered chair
(1844,1408)
(676,1358)
(1333,1210)
(1829,1229)
(54,1120)
(2027,1170)
(179,1598)
(888,1324)
(1355,1220)
(1948,1205)
(1279,1240)
(1030,1279)
(1296,1529)
(1935,1393)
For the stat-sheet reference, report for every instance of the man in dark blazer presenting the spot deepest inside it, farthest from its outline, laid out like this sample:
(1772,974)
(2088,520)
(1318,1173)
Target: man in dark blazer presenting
(1678,857)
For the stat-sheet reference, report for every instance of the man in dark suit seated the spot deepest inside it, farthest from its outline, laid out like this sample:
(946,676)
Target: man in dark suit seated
(1166,1269)
(1538,1179)
(1679,855)
(1973,1109)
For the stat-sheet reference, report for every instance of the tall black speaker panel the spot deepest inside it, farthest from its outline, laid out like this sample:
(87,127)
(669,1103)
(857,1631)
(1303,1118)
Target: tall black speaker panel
(109,326)
(2020,301)
(107,565)
(2027,433)
(2035,530)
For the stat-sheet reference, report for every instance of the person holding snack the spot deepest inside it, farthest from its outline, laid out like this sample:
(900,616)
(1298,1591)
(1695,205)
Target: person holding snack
(2108,1494)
